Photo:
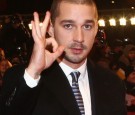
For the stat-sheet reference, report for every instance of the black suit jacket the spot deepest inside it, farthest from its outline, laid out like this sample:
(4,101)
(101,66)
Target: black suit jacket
(54,96)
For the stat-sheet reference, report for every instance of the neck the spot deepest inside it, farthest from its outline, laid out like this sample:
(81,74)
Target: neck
(71,64)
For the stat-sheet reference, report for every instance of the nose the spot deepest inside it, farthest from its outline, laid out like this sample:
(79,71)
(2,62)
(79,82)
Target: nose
(78,35)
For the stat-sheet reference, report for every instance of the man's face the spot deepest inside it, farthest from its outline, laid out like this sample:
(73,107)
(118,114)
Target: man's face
(75,28)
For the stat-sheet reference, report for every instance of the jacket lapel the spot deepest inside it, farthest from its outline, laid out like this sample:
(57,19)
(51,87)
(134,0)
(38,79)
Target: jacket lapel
(91,76)
(61,88)
(58,84)
(97,85)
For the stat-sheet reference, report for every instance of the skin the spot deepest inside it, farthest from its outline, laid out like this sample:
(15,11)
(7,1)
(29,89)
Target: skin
(131,77)
(2,54)
(4,65)
(131,98)
(131,55)
(74,30)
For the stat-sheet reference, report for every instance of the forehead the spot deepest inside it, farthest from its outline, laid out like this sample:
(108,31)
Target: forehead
(76,11)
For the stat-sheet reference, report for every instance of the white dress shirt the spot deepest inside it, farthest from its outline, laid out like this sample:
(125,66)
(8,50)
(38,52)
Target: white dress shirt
(82,81)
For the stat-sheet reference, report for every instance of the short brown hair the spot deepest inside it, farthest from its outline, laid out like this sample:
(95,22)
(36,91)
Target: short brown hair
(56,3)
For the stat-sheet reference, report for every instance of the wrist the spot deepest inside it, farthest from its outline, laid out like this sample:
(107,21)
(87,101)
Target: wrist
(34,74)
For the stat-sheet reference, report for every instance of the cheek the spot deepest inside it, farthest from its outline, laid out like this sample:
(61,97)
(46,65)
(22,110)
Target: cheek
(62,38)
(90,40)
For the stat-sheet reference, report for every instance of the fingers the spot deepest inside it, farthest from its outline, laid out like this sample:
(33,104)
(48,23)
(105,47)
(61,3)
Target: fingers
(57,50)
(37,31)
(37,22)
(34,34)
(45,23)
(39,52)
(53,43)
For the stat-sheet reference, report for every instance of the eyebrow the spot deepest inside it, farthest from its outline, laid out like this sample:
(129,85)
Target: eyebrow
(67,21)
(72,21)
(89,21)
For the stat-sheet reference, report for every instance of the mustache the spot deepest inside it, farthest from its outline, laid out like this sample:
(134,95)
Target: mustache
(77,45)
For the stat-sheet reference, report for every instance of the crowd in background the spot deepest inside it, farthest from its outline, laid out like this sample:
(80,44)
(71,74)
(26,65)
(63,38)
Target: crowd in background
(120,59)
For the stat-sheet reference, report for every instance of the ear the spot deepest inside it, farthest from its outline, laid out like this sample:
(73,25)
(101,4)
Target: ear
(96,28)
(51,29)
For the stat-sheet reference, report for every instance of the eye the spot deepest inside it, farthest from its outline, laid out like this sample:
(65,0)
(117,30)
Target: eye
(87,27)
(68,26)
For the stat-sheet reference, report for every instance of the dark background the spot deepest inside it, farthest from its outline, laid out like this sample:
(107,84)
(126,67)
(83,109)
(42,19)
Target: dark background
(28,6)
(12,39)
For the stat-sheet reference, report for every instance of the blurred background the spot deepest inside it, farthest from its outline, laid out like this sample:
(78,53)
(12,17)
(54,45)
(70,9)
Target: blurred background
(28,6)
(116,23)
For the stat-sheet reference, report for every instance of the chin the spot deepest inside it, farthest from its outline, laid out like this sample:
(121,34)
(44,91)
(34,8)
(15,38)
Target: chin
(74,59)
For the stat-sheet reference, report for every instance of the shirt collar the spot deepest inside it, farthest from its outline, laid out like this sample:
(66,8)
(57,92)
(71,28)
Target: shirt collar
(67,70)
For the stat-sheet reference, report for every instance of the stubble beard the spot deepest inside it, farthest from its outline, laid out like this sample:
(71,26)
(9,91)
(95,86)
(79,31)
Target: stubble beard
(75,58)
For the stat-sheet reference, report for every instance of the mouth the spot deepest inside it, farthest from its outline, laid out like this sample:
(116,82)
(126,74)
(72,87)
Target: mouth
(76,51)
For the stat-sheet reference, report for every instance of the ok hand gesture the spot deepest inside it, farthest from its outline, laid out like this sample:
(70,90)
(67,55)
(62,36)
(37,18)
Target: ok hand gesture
(41,58)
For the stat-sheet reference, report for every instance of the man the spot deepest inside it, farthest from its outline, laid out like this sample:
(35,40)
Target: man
(44,87)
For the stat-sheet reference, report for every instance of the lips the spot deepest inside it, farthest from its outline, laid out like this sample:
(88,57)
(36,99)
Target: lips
(76,50)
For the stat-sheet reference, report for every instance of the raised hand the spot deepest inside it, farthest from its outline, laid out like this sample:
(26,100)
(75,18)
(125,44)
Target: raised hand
(41,58)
